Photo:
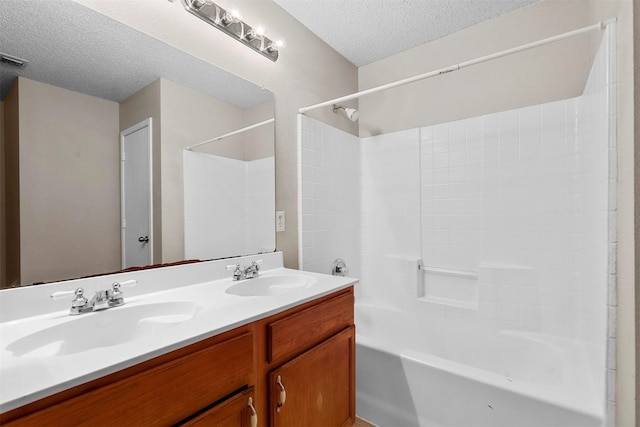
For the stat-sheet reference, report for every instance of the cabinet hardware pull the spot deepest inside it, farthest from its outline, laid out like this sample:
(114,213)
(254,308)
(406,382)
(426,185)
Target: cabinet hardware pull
(283,394)
(254,414)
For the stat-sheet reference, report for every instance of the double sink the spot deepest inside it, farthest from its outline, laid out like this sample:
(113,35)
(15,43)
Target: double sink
(140,319)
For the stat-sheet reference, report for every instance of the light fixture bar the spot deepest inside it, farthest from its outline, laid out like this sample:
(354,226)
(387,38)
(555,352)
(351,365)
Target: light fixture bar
(231,24)
(12,60)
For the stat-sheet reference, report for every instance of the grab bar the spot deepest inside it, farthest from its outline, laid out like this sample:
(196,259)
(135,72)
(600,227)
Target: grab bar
(450,272)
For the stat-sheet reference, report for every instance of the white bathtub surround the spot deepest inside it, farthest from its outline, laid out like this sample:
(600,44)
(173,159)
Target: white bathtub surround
(29,374)
(330,182)
(483,237)
(227,200)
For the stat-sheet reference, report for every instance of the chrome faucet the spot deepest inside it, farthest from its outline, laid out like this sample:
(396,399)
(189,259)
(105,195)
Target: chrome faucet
(241,273)
(100,301)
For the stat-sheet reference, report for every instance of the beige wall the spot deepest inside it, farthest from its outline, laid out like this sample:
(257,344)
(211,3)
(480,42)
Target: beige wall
(307,72)
(140,106)
(69,183)
(259,142)
(536,76)
(552,72)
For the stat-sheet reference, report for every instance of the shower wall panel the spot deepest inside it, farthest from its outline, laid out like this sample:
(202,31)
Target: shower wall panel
(390,217)
(330,198)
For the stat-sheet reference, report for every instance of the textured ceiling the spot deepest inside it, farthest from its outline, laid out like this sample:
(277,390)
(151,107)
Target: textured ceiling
(364,31)
(71,46)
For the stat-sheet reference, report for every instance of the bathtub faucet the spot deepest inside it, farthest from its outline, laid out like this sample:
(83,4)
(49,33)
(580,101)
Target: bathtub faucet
(241,273)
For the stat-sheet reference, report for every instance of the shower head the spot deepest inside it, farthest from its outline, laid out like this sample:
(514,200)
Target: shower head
(352,113)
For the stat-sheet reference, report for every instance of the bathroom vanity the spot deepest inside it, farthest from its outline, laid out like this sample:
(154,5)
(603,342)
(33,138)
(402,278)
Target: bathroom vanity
(291,362)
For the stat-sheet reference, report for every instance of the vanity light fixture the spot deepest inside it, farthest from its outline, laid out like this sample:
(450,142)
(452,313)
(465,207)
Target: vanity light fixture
(231,23)
(12,60)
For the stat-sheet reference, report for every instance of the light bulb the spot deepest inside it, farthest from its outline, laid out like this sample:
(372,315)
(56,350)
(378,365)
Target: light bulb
(231,17)
(236,15)
(253,34)
(276,45)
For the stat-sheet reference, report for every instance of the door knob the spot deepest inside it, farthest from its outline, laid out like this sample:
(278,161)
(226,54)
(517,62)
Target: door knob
(144,239)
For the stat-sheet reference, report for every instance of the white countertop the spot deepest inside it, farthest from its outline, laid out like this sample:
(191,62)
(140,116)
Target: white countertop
(26,376)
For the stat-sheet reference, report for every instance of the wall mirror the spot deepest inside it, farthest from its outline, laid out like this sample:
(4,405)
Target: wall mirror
(89,89)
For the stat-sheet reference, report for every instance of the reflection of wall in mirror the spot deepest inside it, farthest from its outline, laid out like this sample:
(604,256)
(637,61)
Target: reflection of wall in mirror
(63,178)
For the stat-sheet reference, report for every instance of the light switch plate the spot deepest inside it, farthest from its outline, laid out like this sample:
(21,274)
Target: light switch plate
(279,221)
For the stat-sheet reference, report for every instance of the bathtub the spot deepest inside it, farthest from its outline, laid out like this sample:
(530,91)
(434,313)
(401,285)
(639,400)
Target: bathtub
(422,377)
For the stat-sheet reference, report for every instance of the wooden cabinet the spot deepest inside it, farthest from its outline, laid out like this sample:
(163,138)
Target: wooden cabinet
(311,347)
(318,385)
(312,350)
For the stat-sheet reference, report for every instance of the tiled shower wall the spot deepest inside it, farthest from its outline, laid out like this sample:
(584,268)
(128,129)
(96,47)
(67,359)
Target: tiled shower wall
(512,215)
(330,198)
(516,198)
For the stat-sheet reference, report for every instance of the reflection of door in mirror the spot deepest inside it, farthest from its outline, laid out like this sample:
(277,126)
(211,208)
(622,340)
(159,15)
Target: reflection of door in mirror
(137,202)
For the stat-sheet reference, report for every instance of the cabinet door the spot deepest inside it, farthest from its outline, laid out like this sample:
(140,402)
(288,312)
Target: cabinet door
(319,385)
(233,412)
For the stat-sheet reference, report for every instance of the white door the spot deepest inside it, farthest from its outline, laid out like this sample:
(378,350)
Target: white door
(137,195)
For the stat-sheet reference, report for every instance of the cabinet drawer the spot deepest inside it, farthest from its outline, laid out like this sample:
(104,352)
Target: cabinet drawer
(161,396)
(293,334)
(232,412)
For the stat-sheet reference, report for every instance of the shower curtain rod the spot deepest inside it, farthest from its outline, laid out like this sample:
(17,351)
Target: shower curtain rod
(226,135)
(599,26)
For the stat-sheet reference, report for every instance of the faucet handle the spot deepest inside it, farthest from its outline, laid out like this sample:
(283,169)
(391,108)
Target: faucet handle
(115,295)
(79,303)
(79,292)
(238,273)
(125,284)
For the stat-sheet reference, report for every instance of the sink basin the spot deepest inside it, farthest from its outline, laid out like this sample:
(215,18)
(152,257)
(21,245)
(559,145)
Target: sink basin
(103,329)
(272,285)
